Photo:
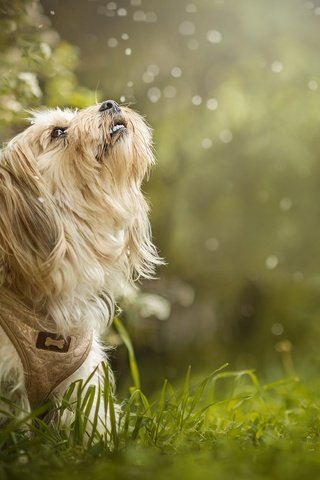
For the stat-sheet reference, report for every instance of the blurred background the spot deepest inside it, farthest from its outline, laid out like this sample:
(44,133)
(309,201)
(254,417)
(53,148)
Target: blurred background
(232,91)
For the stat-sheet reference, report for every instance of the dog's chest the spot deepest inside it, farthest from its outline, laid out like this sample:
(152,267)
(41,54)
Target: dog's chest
(47,357)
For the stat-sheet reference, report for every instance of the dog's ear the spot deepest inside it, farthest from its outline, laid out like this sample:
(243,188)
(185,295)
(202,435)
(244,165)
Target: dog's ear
(142,253)
(31,232)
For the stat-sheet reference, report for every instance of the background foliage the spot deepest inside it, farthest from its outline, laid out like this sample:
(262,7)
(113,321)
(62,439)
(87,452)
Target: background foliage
(232,91)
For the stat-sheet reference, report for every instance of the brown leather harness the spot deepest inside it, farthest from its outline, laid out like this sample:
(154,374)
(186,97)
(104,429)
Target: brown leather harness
(48,358)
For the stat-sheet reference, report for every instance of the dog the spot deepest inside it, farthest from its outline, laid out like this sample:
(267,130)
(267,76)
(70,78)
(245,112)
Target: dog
(74,235)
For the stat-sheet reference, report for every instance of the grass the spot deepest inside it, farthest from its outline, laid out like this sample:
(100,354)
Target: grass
(227,425)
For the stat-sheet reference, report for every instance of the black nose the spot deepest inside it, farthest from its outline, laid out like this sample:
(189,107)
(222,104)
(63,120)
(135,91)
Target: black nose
(109,105)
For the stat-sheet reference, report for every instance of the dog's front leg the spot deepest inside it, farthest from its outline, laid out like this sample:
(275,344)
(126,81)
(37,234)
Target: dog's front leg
(14,403)
(88,392)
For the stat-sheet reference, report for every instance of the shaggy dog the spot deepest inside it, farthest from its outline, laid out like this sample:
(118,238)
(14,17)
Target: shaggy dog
(74,233)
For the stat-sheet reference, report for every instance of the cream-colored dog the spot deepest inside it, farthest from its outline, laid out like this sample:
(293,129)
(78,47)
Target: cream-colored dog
(74,232)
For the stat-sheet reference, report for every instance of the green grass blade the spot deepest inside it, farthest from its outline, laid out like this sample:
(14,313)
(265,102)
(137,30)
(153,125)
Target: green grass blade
(132,359)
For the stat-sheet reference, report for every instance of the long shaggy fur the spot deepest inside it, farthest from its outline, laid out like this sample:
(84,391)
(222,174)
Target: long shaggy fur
(73,224)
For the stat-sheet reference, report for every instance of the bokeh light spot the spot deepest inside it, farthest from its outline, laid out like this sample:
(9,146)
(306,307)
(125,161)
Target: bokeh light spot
(313,85)
(212,104)
(214,36)
(176,72)
(112,42)
(169,91)
(277,329)
(276,66)
(225,136)
(122,12)
(191,8)
(154,94)
(111,6)
(206,143)
(139,16)
(212,244)
(196,100)
(187,28)
(285,204)
(151,17)
(272,262)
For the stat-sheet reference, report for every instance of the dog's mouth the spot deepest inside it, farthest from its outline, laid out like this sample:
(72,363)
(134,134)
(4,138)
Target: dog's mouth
(118,127)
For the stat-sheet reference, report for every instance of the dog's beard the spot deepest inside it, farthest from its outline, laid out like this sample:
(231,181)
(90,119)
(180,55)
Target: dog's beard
(73,219)
(113,128)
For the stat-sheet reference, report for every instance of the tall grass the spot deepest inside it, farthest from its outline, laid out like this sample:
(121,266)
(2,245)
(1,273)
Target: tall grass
(225,418)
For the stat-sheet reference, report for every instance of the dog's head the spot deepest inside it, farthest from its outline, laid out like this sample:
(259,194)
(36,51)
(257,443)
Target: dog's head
(70,200)
(108,140)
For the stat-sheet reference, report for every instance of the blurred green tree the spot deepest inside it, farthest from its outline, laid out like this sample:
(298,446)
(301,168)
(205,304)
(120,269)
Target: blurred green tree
(232,92)
(36,67)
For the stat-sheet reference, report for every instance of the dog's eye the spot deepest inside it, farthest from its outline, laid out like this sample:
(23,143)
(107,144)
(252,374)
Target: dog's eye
(58,132)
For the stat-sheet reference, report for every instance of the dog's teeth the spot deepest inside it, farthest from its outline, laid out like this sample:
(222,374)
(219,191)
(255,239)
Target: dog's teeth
(115,128)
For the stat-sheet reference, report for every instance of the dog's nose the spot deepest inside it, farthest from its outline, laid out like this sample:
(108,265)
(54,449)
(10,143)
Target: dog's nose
(109,105)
